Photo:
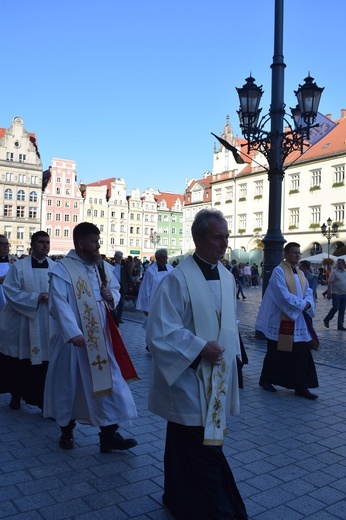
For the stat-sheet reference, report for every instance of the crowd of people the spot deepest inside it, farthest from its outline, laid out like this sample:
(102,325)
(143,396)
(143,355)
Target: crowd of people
(60,347)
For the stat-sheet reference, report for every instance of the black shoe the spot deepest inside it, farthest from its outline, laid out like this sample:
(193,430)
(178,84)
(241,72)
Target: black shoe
(326,323)
(66,441)
(244,297)
(306,393)
(267,386)
(238,298)
(341,328)
(15,403)
(115,442)
(120,320)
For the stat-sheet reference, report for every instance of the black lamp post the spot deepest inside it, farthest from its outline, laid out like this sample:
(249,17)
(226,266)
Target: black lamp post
(329,232)
(276,144)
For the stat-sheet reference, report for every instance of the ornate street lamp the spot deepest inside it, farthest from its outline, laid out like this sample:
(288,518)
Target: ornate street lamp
(154,238)
(329,232)
(276,144)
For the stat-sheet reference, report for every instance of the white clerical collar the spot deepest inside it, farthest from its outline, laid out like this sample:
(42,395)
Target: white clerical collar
(202,259)
(39,261)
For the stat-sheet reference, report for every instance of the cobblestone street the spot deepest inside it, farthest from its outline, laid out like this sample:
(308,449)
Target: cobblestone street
(287,453)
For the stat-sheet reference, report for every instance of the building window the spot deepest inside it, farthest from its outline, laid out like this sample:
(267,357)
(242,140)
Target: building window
(174,230)
(75,205)
(121,242)
(67,217)
(122,229)
(66,232)
(7,210)
(88,212)
(21,195)
(58,190)
(57,232)
(67,192)
(95,212)
(20,233)
(32,230)
(102,213)
(131,229)
(165,230)
(122,215)
(8,231)
(9,156)
(229,220)
(258,187)
(113,241)
(102,228)
(75,218)
(49,231)
(339,212)
(22,178)
(58,179)
(159,218)
(243,190)
(259,220)
(22,158)
(58,203)
(34,179)
(315,215)
(242,221)
(49,216)
(49,202)
(218,195)
(20,211)
(294,218)
(316,179)
(174,218)
(112,228)
(68,181)
(33,196)
(8,194)
(294,183)
(67,203)
(32,212)
(339,174)
(173,242)
(132,216)
(9,177)
(58,217)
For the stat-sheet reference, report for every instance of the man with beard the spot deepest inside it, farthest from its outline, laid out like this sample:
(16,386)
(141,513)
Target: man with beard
(24,343)
(193,337)
(84,381)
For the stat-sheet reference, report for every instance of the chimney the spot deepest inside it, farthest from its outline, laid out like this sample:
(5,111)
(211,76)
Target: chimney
(343,113)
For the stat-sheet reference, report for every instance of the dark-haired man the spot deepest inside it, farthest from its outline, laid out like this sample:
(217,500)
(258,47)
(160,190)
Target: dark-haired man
(24,342)
(288,361)
(84,380)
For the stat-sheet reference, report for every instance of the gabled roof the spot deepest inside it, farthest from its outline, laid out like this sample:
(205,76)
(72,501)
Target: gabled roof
(103,182)
(169,198)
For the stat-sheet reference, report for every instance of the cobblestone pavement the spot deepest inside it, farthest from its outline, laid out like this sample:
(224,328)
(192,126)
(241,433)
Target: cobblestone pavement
(287,453)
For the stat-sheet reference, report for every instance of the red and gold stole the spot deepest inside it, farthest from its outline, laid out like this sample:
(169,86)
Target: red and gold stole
(286,332)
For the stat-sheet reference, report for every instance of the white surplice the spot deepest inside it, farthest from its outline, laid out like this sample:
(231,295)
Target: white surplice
(175,392)
(68,390)
(22,287)
(149,284)
(4,267)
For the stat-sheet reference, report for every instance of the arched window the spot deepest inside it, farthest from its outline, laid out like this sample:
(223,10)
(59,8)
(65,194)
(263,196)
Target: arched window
(33,196)
(316,249)
(21,195)
(8,194)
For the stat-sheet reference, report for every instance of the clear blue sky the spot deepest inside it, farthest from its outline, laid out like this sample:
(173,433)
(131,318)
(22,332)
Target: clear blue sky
(133,89)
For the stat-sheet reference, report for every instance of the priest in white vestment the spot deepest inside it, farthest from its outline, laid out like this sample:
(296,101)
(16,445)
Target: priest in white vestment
(151,279)
(193,337)
(84,381)
(24,340)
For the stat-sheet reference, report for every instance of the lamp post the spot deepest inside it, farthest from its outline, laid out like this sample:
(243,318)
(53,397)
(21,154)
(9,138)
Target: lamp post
(154,238)
(276,144)
(329,232)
